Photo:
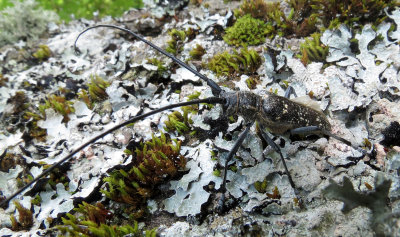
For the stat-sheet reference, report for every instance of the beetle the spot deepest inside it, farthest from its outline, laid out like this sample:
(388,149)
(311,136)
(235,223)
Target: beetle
(277,113)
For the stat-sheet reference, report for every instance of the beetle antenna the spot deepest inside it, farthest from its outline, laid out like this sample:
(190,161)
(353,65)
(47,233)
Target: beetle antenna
(210,100)
(214,87)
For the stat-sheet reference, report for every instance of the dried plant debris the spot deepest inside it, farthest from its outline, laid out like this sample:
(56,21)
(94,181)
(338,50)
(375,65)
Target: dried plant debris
(376,200)
(168,167)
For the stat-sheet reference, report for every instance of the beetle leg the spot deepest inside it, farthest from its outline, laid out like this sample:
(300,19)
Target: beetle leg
(290,91)
(315,129)
(232,152)
(278,150)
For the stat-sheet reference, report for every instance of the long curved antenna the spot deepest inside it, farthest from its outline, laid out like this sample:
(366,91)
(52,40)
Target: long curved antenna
(211,100)
(214,87)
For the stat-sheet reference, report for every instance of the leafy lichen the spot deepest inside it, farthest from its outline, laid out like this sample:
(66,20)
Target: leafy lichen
(374,200)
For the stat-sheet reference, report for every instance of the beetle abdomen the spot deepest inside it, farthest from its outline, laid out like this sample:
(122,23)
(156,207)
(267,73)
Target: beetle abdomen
(281,114)
(277,113)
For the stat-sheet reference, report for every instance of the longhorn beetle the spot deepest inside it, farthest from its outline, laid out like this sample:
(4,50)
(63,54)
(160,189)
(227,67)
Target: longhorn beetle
(278,114)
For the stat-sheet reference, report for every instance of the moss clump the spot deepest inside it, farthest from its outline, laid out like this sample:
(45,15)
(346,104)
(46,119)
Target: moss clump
(257,9)
(92,221)
(312,50)
(97,88)
(96,91)
(236,64)
(306,16)
(175,45)
(246,31)
(352,12)
(161,68)
(275,194)
(261,186)
(299,22)
(178,122)
(43,53)
(252,82)
(25,219)
(3,80)
(153,163)
(197,52)
(60,104)
(181,123)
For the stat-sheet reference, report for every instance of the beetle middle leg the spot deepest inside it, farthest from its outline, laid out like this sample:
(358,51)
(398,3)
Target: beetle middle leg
(231,153)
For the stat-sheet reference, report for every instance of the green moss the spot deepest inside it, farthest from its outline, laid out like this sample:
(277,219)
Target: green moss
(92,221)
(312,50)
(197,52)
(257,9)
(96,91)
(33,129)
(175,45)
(60,104)
(306,15)
(43,53)
(352,13)
(178,122)
(225,64)
(3,80)
(85,9)
(25,219)
(37,200)
(153,163)
(97,88)
(246,31)
(217,173)
(261,186)
(181,123)
(161,68)
(252,82)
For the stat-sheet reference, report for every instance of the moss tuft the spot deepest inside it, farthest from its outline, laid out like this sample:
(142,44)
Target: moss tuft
(261,186)
(197,52)
(25,219)
(91,221)
(154,162)
(60,104)
(43,53)
(175,45)
(225,64)
(312,50)
(246,31)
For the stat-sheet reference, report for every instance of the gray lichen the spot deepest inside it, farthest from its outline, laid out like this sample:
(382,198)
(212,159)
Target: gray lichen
(24,21)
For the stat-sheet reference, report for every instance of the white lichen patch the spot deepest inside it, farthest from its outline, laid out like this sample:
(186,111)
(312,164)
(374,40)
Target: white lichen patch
(190,194)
